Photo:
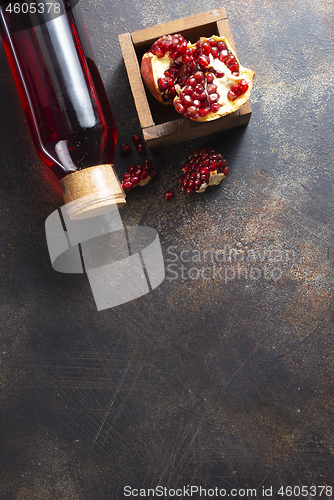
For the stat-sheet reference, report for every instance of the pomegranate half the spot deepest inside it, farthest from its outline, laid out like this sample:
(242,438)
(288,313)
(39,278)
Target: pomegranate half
(203,81)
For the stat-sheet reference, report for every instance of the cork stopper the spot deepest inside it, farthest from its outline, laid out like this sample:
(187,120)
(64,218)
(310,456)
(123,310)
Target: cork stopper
(92,191)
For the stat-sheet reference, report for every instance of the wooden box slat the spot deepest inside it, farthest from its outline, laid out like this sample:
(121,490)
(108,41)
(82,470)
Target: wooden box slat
(161,125)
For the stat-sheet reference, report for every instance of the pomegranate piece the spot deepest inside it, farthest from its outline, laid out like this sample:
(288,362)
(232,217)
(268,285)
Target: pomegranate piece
(138,175)
(205,167)
(168,195)
(203,81)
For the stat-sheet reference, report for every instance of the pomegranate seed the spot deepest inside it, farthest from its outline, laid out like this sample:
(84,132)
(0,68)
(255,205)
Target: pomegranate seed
(141,149)
(222,46)
(211,88)
(136,139)
(158,52)
(127,185)
(206,48)
(225,171)
(144,174)
(231,95)
(191,111)
(168,195)
(187,101)
(135,180)
(243,86)
(230,60)
(203,111)
(213,98)
(125,148)
(234,67)
(223,56)
(214,107)
(220,74)
(199,76)
(131,169)
(203,61)
(126,175)
(213,42)
(210,77)
(163,85)
(173,55)
(148,164)
(153,173)
(180,108)
(214,52)
(182,46)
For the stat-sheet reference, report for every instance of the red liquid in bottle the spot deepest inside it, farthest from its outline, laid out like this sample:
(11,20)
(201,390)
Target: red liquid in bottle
(60,88)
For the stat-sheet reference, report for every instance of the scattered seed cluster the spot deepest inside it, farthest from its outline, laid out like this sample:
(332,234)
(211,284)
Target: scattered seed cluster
(201,165)
(139,174)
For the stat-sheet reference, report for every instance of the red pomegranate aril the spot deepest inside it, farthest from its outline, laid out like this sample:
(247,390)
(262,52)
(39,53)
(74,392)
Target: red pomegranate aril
(191,111)
(163,84)
(180,180)
(168,195)
(131,169)
(141,149)
(206,48)
(222,46)
(168,43)
(191,190)
(183,188)
(234,67)
(158,52)
(223,56)
(230,60)
(173,55)
(126,175)
(243,86)
(214,52)
(210,77)
(148,163)
(232,96)
(220,74)
(182,46)
(125,148)
(153,173)
(180,108)
(187,101)
(213,98)
(199,76)
(214,107)
(225,170)
(144,174)
(212,42)
(188,90)
(203,61)
(136,139)
(127,185)
(198,184)
(195,96)
(211,88)
(213,165)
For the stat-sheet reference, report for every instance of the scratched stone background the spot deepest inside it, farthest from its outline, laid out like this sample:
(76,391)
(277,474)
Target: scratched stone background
(207,381)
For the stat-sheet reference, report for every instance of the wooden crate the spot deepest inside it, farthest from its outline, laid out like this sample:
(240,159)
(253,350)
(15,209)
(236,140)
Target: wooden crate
(162,125)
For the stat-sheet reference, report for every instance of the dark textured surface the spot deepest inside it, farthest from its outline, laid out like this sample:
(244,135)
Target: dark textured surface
(207,382)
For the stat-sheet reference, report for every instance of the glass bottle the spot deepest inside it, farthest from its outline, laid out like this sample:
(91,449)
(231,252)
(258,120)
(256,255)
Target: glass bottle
(64,101)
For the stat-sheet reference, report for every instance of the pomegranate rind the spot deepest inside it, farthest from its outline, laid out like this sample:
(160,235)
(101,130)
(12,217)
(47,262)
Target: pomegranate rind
(153,67)
(148,71)
(214,179)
